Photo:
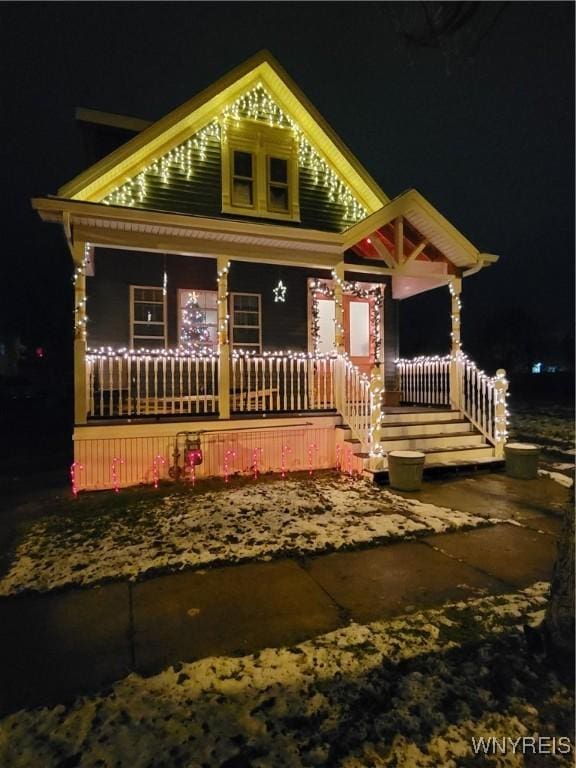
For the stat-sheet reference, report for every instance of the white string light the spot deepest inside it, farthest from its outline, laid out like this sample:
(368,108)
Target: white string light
(255,104)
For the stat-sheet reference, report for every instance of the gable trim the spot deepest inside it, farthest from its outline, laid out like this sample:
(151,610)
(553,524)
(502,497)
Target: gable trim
(127,161)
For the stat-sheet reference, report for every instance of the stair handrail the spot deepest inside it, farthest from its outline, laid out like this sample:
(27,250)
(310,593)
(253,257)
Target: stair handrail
(483,401)
(358,400)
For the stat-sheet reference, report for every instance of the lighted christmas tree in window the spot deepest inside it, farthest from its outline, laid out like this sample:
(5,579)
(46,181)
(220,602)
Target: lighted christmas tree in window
(194,333)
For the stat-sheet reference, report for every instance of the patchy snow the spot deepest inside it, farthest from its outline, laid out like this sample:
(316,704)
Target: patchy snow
(260,520)
(408,692)
(558,477)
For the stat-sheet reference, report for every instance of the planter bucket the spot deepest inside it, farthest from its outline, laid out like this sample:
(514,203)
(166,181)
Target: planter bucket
(522,460)
(405,470)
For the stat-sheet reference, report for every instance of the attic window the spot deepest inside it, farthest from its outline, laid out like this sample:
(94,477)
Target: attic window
(243,179)
(260,172)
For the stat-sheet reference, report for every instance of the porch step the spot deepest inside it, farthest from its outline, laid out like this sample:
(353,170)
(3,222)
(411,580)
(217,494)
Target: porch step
(402,416)
(412,428)
(432,442)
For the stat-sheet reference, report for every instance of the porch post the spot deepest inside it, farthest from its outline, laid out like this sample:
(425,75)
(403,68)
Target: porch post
(339,308)
(80,318)
(223,265)
(455,361)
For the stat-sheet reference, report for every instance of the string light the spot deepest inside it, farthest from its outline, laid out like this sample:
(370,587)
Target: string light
(256,104)
(255,453)
(285,450)
(74,469)
(114,472)
(374,295)
(311,448)
(279,292)
(155,469)
(228,456)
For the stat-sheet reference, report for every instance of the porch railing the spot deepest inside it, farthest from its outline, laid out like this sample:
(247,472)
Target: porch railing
(134,383)
(425,380)
(281,382)
(481,398)
(149,383)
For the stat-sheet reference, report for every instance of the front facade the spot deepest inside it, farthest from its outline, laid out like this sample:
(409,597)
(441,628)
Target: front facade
(237,280)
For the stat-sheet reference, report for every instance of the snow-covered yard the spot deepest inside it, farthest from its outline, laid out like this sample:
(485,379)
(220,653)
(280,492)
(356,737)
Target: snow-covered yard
(245,520)
(408,693)
(548,425)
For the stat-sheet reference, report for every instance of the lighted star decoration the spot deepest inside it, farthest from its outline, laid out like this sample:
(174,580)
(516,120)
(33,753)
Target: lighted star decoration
(280,292)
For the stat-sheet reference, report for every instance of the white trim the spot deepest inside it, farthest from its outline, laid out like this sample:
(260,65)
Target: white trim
(164,337)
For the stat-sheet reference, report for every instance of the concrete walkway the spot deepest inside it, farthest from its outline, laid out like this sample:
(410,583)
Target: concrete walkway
(56,646)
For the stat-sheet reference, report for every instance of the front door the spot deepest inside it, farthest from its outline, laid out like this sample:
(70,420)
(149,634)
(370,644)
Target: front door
(358,334)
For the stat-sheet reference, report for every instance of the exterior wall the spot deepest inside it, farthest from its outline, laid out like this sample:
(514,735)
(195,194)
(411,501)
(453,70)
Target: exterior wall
(284,325)
(138,446)
(201,192)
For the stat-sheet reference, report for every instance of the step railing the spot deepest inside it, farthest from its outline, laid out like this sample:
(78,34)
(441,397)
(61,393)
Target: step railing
(354,400)
(150,382)
(483,401)
(289,382)
(481,398)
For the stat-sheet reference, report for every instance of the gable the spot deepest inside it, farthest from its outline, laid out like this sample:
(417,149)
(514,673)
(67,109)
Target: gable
(175,164)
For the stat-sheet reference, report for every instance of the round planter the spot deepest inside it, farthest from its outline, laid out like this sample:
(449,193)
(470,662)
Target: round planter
(522,460)
(405,470)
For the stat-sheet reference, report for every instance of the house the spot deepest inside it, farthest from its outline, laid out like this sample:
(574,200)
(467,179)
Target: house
(237,279)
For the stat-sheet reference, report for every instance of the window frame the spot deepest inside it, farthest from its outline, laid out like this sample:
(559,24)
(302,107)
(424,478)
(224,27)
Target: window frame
(264,143)
(214,325)
(147,339)
(233,325)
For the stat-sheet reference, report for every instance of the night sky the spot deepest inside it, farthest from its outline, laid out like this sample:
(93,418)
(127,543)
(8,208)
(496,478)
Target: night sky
(479,118)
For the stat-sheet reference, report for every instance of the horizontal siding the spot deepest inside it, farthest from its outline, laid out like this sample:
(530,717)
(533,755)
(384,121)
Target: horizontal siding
(201,193)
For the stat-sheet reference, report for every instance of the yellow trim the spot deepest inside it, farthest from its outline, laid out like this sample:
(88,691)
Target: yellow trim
(397,208)
(127,161)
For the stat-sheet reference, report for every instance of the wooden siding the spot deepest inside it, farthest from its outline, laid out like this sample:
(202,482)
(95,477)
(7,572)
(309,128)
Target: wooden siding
(201,193)
(284,325)
(138,446)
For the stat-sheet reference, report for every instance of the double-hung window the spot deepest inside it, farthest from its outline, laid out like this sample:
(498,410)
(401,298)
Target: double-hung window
(246,321)
(147,317)
(260,172)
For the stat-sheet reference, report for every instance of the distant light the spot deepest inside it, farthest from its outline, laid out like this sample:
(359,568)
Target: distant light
(39,351)
(537,368)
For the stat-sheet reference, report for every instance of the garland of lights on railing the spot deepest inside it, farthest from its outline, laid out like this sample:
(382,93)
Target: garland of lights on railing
(499,382)
(256,104)
(318,286)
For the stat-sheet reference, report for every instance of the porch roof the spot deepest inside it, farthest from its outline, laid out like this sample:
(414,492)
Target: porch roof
(131,228)
(409,229)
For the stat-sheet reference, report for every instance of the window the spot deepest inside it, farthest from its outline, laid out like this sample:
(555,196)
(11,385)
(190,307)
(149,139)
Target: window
(278,188)
(197,319)
(243,179)
(260,171)
(147,317)
(246,321)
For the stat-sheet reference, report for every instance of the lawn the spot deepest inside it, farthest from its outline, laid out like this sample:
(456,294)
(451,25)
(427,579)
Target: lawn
(407,693)
(142,532)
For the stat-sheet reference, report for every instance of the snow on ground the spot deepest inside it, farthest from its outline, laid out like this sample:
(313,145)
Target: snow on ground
(558,477)
(260,520)
(408,693)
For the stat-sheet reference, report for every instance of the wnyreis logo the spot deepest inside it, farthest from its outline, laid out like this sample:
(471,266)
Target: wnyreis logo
(525,745)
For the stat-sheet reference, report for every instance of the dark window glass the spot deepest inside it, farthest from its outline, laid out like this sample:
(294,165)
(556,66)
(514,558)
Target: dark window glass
(243,164)
(278,170)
